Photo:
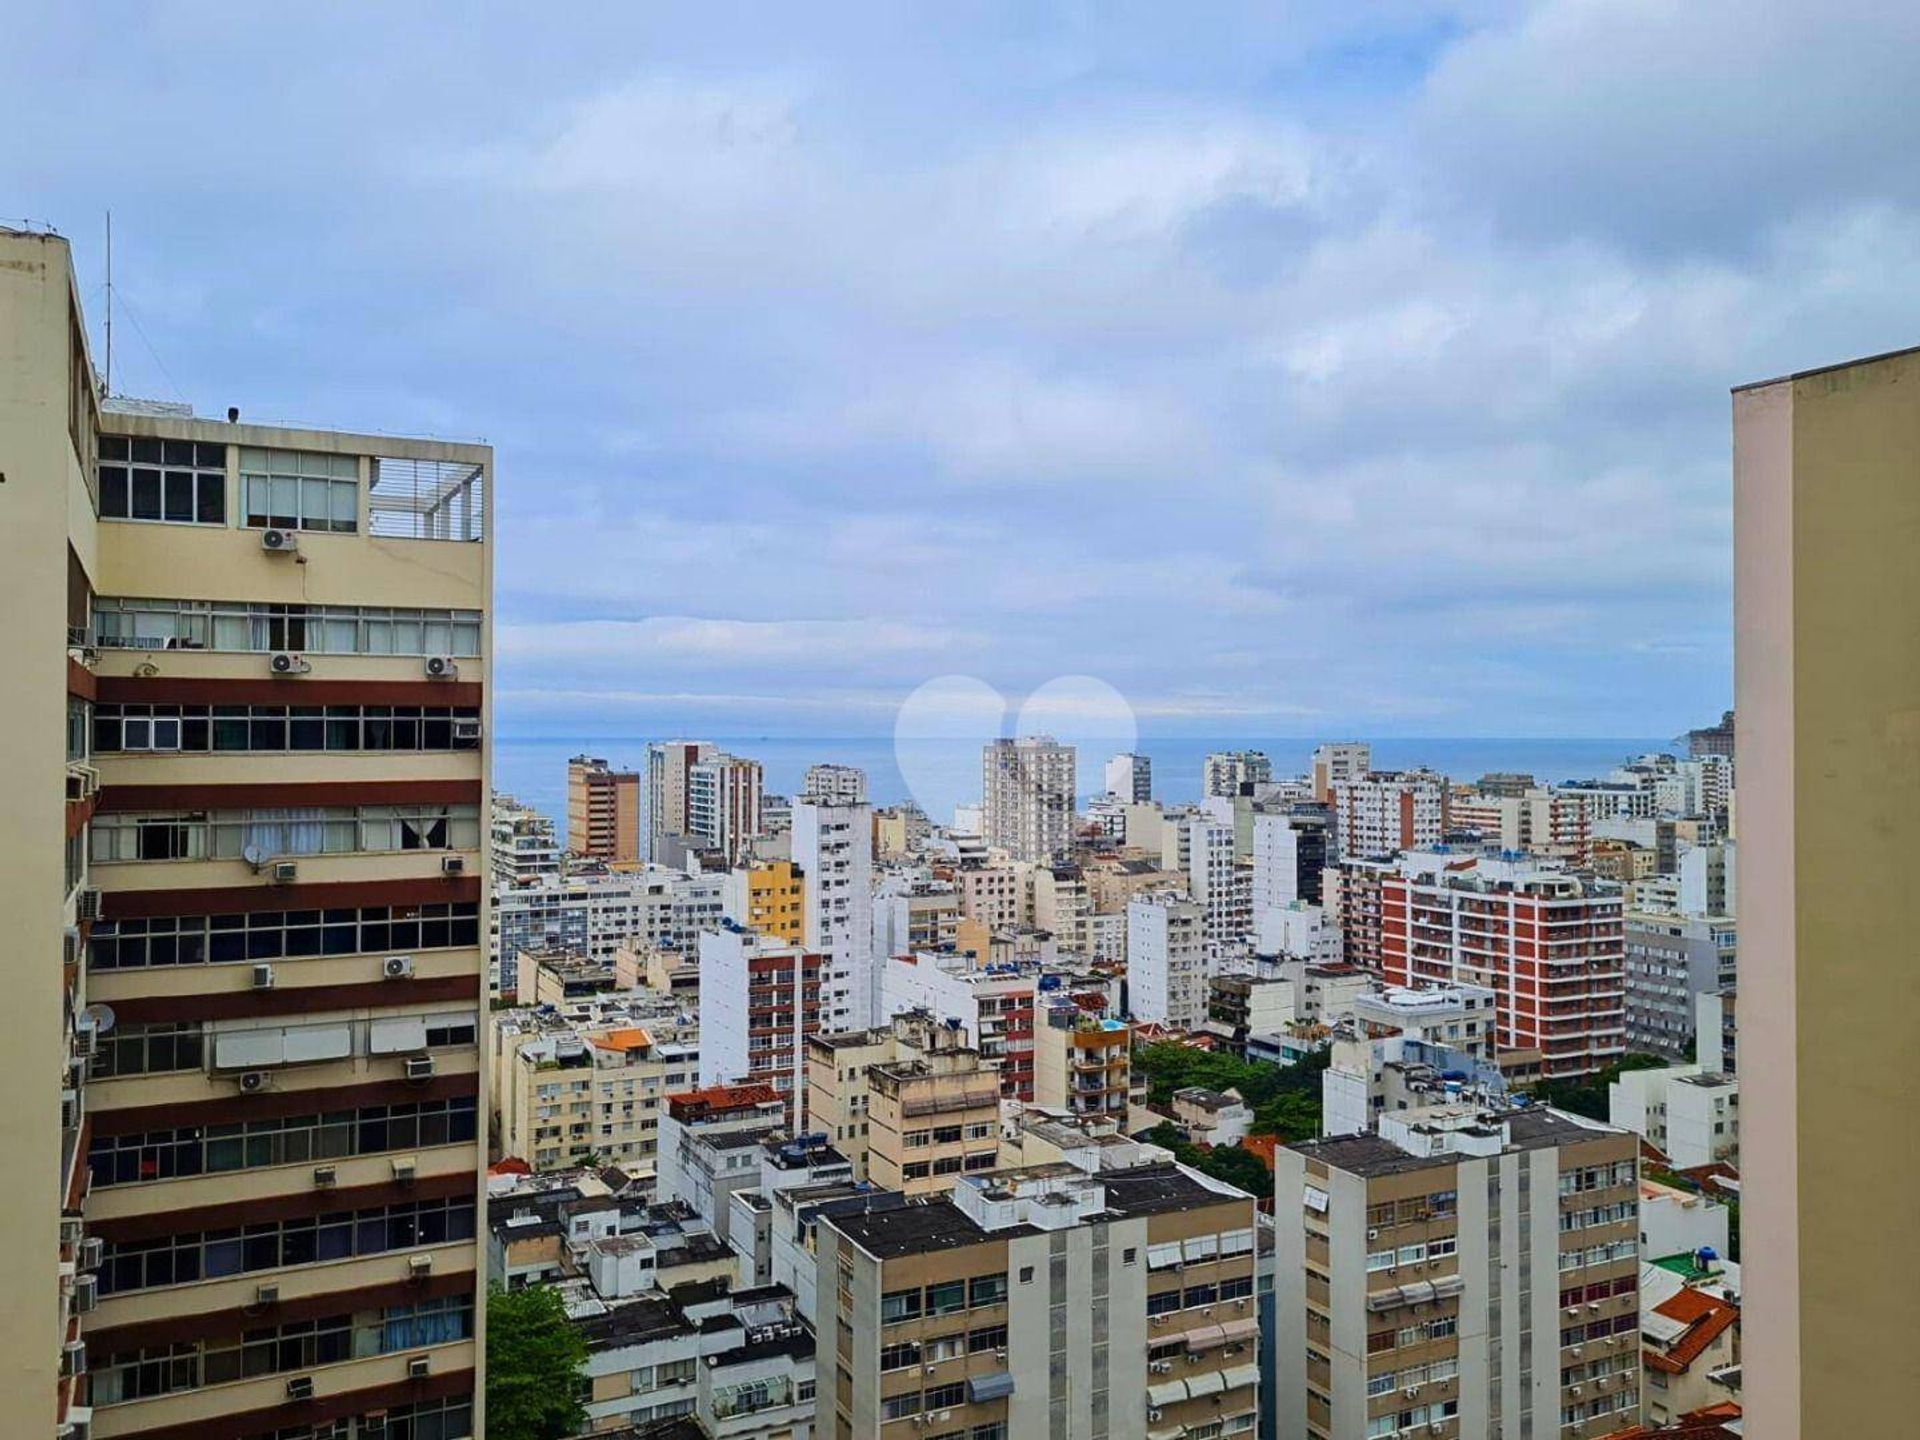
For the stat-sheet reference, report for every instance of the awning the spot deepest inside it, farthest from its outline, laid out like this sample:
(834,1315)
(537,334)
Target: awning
(1167,1432)
(1205,1337)
(1240,1376)
(1447,1286)
(1384,1299)
(1417,1293)
(1167,1392)
(1209,1383)
(1238,1330)
(995,1385)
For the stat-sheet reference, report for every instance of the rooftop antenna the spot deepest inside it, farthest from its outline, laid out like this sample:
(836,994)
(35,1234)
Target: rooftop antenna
(107,378)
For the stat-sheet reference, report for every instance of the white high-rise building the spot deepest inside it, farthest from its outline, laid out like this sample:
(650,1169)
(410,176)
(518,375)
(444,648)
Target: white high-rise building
(1218,883)
(1235,772)
(668,762)
(833,846)
(1166,960)
(1291,851)
(1130,777)
(723,805)
(1385,811)
(1028,790)
(835,784)
(1337,761)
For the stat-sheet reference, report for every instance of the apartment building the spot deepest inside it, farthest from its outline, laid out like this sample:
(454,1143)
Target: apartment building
(1291,851)
(834,785)
(768,898)
(1218,882)
(1385,811)
(1129,777)
(931,1117)
(524,845)
(709,1145)
(1689,1113)
(603,811)
(1082,1062)
(1043,1301)
(913,913)
(1027,787)
(669,763)
(1337,762)
(760,1002)
(833,846)
(1167,961)
(1062,905)
(596,914)
(723,806)
(245,760)
(1549,942)
(997,896)
(1459,1272)
(839,1092)
(1671,961)
(1459,1017)
(1537,819)
(1234,772)
(993,1003)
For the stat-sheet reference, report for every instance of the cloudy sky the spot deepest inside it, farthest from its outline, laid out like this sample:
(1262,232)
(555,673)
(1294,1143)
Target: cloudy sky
(1294,368)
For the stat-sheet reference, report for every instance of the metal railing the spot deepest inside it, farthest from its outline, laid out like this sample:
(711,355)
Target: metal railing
(426,499)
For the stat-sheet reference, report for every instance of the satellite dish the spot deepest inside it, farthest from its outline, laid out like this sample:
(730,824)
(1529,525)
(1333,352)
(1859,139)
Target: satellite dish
(99,1016)
(254,856)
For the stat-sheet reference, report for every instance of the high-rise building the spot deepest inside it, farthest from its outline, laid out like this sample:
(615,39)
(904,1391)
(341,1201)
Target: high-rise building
(833,846)
(1825,587)
(1167,960)
(1028,790)
(1460,1273)
(1384,811)
(1712,739)
(668,762)
(723,806)
(603,811)
(760,1002)
(1291,851)
(1234,772)
(1339,761)
(246,766)
(1549,942)
(1130,777)
(1082,1063)
(770,898)
(524,845)
(834,785)
(1043,1301)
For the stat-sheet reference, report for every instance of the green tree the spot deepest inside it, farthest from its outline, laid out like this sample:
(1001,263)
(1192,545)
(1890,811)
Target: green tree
(1285,1099)
(535,1357)
(1224,1162)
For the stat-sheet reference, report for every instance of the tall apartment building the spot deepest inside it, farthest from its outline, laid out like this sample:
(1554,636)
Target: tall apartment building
(1042,1301)
(1082,1063)
(760,1002)
(1824,590)
(1291,850)
(603,811)
(668,764)
(1218,883)
(246,765)
(769,897)
(833,846)
(1460,1273)
(1712,739)
(1129,777)
(834,785)
(1549,942)
(723,806)
(524,845)
(912,915)
(595,915)
(1546,822)
(1167,960)
(1671,961)
(1338,762)
(1384,811)
(1027,787)
(839,1084)
(931,1118)
(1234,772)
(993,1003)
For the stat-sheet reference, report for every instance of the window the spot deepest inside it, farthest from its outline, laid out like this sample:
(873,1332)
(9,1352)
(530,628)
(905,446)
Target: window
(276,934)
(155,1049)
(183,482)
(260,626)
(1237,1288)
(1381,1260)
(282,831)
(899,1305)
(987,1290)
(945,1397)
(901,1355)
(947,1297)
(898,1407)
(279,728)
(987,1337)
(1164,1302)
(298,490)
(1026,1274)
(1129,1255)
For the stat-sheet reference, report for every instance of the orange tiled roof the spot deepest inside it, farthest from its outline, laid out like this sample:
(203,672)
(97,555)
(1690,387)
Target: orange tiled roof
(1707,1318)
(1262,1147)
(628,1039)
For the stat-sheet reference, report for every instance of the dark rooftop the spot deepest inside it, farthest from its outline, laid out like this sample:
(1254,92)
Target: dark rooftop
(912,1229)
(632,1323)
(1534,1128)
(1156,1190)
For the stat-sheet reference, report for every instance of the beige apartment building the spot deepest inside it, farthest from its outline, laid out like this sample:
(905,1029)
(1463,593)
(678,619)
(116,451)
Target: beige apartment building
(246,764)
(603,811)
(1082,1063)
(1826,594)
(1042,1301)
(572,1095)
(1459,1274)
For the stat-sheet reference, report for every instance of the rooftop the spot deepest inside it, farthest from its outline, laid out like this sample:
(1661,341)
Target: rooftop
(1533,1128)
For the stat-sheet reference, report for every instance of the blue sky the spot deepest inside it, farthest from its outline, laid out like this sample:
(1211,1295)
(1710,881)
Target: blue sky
(1289,368)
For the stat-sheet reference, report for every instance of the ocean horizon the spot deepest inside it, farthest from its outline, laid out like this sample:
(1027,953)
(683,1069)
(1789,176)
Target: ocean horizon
(947,773)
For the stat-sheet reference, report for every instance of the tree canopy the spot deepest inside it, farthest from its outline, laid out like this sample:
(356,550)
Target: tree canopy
(1285,1099)
(535,1357)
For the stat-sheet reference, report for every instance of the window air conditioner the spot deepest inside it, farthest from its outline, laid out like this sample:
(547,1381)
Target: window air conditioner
(288,662)
(279,542)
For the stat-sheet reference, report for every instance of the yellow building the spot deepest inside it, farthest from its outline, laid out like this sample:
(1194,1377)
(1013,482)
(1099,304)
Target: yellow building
(246,764)
(776,901)
(1826,596)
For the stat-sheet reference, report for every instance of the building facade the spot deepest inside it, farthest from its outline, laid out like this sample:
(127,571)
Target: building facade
(603,811)
(833,846)
(1129,777)
(723,806)
(1385,811)
(1027,789)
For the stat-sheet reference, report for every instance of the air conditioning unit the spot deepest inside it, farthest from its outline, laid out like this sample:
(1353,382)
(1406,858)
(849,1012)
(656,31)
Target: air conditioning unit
(266,1294)
(1575,1352)
(405,1167)
(1576,1390)
(253,1082)
(73,1359)
(928,1369)
(283,872)
(325,1177)
(86,1039)
(1411,1392)
(73,1229)
(1161,1367)
(300,1387)
(279,542)
(83,782)
(1000,1354)
(1373,1234)
(69,1109)
(1593,1307)
(263,977)
(1152,1414)
(288,662)
(441,667)
(86,1293)
(943,1415)
(87,905)
(453,864)
(419,1067)
(419,1266)
(92,1253)
(466,729)
(1156,1320)
(418,1366)
(396,967)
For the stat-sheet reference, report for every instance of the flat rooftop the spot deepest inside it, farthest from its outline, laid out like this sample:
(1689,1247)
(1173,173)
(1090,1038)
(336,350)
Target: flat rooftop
(1534,1128)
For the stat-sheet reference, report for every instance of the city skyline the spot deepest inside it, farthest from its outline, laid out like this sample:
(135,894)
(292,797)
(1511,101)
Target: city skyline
(1145,329)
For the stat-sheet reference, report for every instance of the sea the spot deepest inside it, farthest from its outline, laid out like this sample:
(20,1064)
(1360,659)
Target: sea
(944,774)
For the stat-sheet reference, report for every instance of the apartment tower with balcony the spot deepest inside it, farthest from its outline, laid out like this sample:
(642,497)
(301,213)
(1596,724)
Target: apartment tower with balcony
(246,766)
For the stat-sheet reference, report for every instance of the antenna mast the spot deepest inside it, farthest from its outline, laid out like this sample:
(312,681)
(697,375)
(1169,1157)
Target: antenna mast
(108,377)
